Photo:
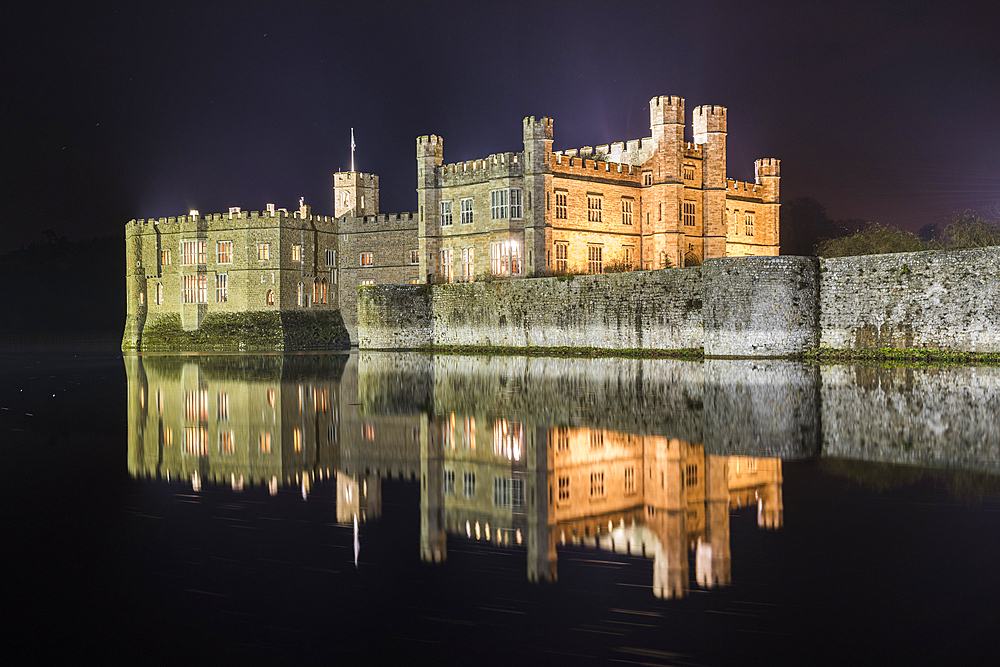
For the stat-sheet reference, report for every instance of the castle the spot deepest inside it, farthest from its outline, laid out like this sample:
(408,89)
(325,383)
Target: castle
(261,279)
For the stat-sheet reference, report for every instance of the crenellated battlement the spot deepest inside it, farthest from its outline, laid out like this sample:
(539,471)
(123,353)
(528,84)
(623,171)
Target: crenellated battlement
(498,165)
(666,110)
(631,152)
(694,150)
(430,145)
(265,217)
(743,189)
(768,166)
(542,128)
(708,118)
(379,222)
(563,163)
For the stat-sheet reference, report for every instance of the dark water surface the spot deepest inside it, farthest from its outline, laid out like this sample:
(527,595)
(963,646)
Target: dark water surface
(353,508)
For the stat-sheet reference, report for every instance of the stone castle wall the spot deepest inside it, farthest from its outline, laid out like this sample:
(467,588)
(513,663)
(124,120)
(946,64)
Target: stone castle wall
(731,307)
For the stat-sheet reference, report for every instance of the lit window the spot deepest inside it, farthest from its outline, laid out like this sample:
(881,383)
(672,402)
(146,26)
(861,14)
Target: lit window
(263,252)
(269,299)
(224,252)
(164,257)
(561,206)
(142,298)
(222,288)
(505,258)
(322,291)
(594,208)
(689,213)
(468,264)
(446,219)
(296,253)
(595,261)
(331,257)
(196,289)
(628,254)
(466,211)
(366,282)
(748,220)
(159,293)
(626,211)
(316,291)
(298,294)
(562,256)
(414,257)
(367,259)
(448,265)
(193,252)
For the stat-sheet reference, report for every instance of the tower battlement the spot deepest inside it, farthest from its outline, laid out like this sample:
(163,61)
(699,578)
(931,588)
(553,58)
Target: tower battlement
(666,110)
(767,166)
(541,128)
(430,145)
(708,118)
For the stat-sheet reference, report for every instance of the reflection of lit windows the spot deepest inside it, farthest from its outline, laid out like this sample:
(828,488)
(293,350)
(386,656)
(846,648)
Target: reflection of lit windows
(448,432)
(223,405)
(469,484)
(508,439)
(596,438)
(596,484)
(449,481)
(322,400)
(692,475)
(368,431)
(469,429)
(270,397)
(196,405)
(562,438)
(564,488)
(227,442)
(629,480)
(195,440)
(501,491)
(297,439)
(168,436)
(265,442)
(159,401)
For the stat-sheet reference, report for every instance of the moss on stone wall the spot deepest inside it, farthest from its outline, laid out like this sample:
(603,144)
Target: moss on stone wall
(323,330)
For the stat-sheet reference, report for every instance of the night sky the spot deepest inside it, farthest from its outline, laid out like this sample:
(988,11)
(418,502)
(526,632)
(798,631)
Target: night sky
(881,111)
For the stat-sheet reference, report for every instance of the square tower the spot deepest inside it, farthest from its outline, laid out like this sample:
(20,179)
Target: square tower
(355,193)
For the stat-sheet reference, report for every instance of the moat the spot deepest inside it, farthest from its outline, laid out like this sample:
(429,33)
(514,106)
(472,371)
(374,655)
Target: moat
(369,505)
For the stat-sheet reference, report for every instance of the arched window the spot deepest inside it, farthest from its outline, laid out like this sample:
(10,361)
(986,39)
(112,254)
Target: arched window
(316,291)
(299,294)
(322,291)
(270,297)
(159,293)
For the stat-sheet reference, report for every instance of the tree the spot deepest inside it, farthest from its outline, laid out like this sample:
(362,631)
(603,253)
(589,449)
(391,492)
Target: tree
(874,239)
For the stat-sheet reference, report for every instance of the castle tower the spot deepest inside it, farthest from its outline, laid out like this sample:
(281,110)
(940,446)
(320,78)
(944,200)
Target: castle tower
(767,174)
(709,125)
(430,155)
(537,186)
(355,193)
(661,208)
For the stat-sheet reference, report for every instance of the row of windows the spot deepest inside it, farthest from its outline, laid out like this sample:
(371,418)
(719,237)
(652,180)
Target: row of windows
(196,252)
(468,257)
(595,208)
(195,290)
(506,203)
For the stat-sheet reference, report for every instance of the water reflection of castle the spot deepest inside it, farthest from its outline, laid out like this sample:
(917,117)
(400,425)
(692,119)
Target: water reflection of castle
(513,481)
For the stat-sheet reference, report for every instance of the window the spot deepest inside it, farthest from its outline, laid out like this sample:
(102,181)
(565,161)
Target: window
(269,299)
(159,293)
(446,218)
(688,172)
(331,257)
(596,484)
(367,259)
(468,264)
(322,291)
(448,265)
(196,289)
(227,442)
(626,211)
(193,252)
(263,252)
(748,220)
(469,484)
(366,282)
(516,210)
(647,178)
(296,253)
(562,257)
(593,208)
(449,481)
(222,287)
(298,294)
(224,252)
(316,291)
(505,258)
(628,254)
(564,489)
(595,261)
(164,258)
(689,213)
(629,480)
(466,205)
(499,204)
(414,257)
(561,207)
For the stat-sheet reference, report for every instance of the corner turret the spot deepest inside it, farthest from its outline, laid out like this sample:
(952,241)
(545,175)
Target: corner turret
(537,144)
(767,174)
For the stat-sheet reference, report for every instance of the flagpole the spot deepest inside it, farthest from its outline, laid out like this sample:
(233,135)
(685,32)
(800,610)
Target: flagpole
(352,149)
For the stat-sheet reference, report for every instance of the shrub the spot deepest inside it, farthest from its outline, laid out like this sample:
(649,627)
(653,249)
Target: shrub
(875,239)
